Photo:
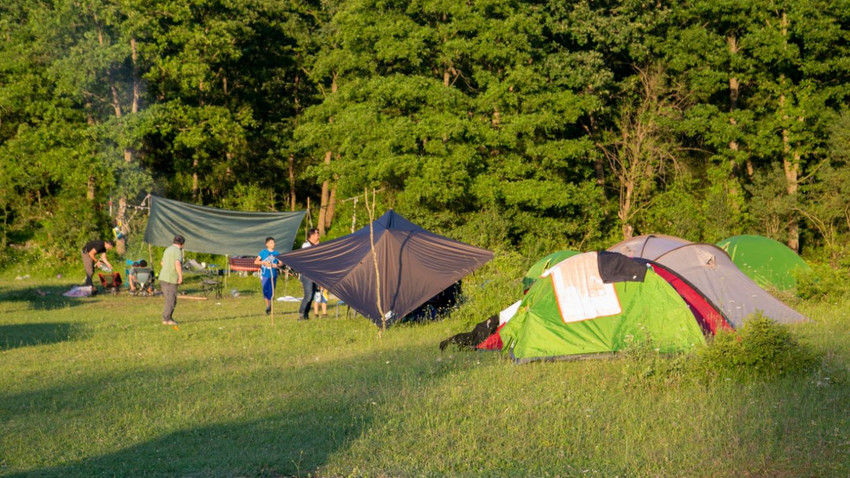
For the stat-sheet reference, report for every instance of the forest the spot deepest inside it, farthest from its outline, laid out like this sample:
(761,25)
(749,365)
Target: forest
(524,125)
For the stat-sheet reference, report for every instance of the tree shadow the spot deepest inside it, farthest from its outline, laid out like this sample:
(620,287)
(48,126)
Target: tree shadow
(26,335)
(317,411)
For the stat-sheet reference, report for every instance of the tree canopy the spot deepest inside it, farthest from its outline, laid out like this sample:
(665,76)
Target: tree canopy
(532,125)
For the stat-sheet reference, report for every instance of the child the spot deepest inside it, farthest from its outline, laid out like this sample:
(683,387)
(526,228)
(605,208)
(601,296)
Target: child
(267,258)
(321,297)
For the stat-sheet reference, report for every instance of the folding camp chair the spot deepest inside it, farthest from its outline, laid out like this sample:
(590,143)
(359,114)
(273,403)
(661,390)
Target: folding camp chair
(212,283)
(142,280)
(110,281)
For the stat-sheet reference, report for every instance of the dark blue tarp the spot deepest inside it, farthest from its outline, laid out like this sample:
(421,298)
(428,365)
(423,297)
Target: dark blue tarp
(413,265)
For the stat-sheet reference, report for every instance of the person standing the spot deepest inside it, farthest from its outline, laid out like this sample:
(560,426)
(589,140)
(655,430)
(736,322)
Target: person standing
(270,267)
(320,298)
(170,276)
(307,284)
(92,249)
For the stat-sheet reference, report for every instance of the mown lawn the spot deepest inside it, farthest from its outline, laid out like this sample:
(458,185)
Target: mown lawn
(98,387)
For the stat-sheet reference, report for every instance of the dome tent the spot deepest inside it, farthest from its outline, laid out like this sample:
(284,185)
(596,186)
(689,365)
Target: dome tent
(596,303)
(539,267)
(767,262)
(648,246)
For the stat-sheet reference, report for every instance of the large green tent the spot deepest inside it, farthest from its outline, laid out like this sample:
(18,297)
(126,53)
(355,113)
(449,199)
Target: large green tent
(581,307)
(539,267)
(769,263)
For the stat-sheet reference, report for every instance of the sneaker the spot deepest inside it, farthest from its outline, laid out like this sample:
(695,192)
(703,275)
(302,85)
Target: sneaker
(304,317)
(169,322)
(268,310)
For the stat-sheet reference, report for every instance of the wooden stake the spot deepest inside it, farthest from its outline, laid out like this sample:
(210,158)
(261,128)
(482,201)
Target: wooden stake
(371,210)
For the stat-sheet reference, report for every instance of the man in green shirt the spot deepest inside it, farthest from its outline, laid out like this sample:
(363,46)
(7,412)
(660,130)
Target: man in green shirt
(170,275)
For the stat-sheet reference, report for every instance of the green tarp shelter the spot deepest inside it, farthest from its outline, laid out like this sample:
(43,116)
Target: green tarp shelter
(581,308)
(767,262)
(539,267)
(219,231)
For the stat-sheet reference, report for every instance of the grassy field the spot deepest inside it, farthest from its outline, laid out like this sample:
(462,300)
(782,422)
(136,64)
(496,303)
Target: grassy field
(99,387)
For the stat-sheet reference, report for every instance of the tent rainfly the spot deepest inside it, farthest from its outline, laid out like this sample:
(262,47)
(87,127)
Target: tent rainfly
(538,268)
(597,303)
(413,265)
(770,263)
(648,246)
(219,231)
(710,270)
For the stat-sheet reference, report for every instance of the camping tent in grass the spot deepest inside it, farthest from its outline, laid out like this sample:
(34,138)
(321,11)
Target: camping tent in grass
(539,267)
(648,246)
(595,303)
(708,315)
(767,262)
(709,269)
(413,265)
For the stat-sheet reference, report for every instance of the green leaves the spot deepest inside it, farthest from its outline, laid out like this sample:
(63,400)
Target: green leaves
(529,123)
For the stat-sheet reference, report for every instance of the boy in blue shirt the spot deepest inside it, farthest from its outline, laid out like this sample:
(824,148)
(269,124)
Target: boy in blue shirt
(270,267)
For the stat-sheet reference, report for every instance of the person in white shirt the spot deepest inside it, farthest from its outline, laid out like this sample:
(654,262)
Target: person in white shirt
(308,285)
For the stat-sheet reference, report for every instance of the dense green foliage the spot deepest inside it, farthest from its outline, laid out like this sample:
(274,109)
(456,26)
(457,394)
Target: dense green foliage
(534,124)
(761,349)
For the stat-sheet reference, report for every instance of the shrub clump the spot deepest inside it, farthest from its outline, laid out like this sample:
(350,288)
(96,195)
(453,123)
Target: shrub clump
(822,282)
(761,349)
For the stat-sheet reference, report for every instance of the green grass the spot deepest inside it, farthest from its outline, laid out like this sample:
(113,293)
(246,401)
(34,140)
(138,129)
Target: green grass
(98,387)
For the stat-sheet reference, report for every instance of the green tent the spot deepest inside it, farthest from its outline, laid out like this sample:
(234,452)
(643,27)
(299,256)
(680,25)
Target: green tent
(769,263)
(582,308)
(540,266)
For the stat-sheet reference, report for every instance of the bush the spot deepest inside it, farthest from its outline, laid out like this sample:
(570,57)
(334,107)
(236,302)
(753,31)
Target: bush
(822,282)
(762,349)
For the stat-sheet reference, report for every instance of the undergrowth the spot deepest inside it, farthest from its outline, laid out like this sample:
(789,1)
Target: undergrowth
(761,350)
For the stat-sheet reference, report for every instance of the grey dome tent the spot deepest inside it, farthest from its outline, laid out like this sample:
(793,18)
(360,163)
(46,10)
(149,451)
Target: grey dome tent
(648,246)
(413,265)
(711,271)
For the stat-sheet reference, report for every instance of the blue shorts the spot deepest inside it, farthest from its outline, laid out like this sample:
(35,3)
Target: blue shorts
(267,287)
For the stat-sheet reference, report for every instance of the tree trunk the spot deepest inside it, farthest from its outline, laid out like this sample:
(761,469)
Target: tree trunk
(137,85)
(734,92)
(329,215)
(137,92)
(90,189)
(323,205)
(790,161)
(792,172)
(196,193)
(323,221)
(121,243)
(292,181)
(791,166)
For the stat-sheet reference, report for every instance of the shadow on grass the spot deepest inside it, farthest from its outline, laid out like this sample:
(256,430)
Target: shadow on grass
(250,315)
(43,297)
(274,422)
(26,335)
